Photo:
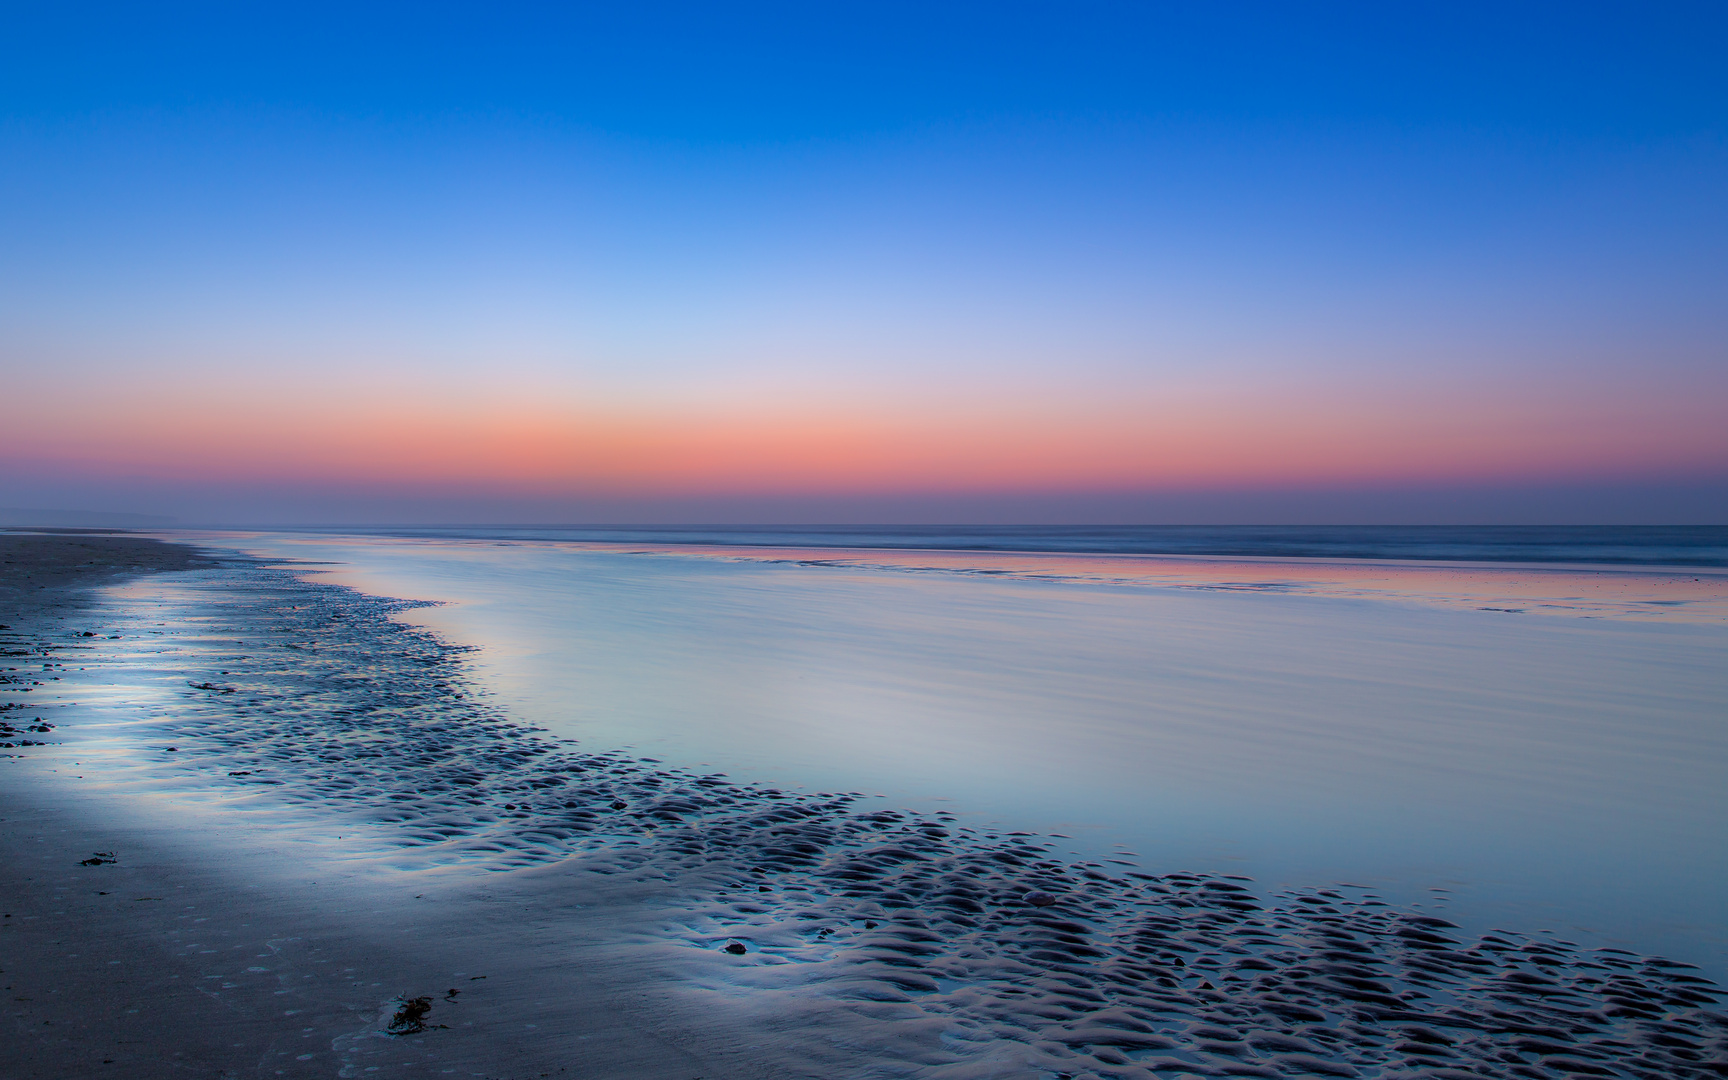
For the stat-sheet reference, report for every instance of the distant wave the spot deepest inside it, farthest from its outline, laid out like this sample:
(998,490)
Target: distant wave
(1691,545)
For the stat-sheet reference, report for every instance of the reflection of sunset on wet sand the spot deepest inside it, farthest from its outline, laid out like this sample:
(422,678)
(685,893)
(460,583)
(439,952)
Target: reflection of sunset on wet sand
(1666,595)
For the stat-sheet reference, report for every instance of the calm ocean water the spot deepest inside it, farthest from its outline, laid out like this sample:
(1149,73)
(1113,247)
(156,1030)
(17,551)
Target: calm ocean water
(1556,762)
(1690,545)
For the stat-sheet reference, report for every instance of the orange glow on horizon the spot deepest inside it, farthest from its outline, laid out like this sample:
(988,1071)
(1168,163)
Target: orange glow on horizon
(836,442)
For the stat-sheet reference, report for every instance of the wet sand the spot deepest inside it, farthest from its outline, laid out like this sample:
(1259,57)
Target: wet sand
(1665,594)
(47,570)
(648,920)
(177,959)
(145,939)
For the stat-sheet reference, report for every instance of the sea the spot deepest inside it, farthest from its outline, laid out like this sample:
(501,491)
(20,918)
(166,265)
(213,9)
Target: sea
(1638,545)
(1510,728)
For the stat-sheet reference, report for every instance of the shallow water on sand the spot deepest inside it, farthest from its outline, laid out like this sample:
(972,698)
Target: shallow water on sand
(1365,724)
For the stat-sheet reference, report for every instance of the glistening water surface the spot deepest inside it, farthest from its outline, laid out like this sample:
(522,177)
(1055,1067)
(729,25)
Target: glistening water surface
(1564,766)
(1635,545)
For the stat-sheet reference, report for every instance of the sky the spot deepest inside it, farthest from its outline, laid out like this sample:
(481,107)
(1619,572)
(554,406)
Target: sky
(1099,262)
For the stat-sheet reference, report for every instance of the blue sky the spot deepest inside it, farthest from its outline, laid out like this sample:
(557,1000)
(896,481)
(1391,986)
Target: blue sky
(744,74)
(933,227)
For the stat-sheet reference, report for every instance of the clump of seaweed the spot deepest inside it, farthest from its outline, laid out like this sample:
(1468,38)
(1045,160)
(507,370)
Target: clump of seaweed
(410,1016)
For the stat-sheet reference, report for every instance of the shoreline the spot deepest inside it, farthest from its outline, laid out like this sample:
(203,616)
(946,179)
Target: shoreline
(205,948)
(871,940)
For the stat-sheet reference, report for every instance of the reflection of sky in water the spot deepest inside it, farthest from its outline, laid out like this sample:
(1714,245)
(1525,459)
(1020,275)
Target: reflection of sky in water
(1555,772)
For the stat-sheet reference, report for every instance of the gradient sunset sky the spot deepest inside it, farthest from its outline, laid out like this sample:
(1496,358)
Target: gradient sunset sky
(866,262)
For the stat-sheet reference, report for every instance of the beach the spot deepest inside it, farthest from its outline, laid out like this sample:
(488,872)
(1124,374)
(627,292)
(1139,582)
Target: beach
(147,941)
(312,812)
(887,542)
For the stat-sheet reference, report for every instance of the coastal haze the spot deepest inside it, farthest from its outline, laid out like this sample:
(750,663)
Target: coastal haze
(1100,542)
